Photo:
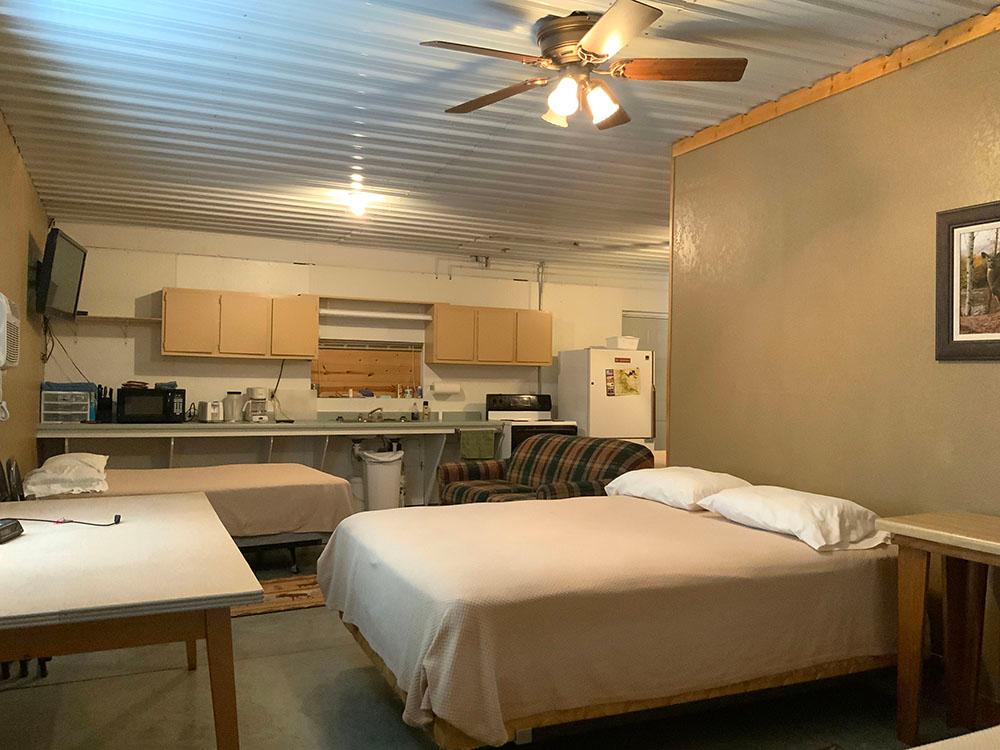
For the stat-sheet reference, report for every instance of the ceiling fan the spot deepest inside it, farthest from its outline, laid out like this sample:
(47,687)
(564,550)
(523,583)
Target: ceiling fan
(577,47)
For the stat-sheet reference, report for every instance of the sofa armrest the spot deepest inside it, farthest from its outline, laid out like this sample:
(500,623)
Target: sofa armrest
(583,488)
(465,471)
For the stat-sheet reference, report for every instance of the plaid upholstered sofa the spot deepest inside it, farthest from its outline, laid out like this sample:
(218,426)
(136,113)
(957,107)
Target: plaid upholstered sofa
(543,466)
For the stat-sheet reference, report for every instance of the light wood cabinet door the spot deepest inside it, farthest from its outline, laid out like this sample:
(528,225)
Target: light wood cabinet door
(495,335)
(454,334)
(190,321)
(244,324)
(534,337)
(295,326)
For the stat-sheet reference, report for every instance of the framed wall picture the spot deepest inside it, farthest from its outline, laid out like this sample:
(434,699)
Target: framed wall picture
(968,283)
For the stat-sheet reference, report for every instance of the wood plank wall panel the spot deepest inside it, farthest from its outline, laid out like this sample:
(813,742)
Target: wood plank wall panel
(337,370)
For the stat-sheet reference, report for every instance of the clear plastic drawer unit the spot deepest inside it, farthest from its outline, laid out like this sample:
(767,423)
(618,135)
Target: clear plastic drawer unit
(65,406)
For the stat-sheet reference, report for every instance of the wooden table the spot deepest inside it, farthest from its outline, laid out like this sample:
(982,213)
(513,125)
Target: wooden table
(168,572)
(969,545)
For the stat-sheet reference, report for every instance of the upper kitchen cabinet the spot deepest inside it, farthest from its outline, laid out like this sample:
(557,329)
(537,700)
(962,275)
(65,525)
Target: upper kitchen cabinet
(244,324)
(451,336)
(190,322)
(495,335)
(534,337)
(489,336)
(295,326)
(204,323)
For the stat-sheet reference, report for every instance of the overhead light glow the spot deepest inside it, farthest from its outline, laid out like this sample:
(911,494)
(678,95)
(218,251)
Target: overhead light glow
(355,200)
(565,99)
(554,119)
(601,103)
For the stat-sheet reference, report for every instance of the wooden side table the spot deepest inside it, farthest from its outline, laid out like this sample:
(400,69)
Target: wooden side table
(969,544)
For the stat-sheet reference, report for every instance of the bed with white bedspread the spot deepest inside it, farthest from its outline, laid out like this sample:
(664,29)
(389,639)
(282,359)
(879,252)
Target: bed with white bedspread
(495,617)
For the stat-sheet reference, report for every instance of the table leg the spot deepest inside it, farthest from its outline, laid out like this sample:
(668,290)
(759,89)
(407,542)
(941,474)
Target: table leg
(964,609)
(912,595)
(192,655)
(219,639)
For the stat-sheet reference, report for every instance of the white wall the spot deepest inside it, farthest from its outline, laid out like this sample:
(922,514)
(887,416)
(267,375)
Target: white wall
(128,266)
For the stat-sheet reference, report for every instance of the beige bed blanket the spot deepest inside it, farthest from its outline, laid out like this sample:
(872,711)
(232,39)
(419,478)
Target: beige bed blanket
(490,612)
(250,499)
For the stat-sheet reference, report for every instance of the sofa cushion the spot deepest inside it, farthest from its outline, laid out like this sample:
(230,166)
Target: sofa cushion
(545,459)
(481,491)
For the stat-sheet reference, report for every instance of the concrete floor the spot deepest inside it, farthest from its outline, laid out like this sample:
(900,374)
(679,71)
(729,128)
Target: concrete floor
(302,682)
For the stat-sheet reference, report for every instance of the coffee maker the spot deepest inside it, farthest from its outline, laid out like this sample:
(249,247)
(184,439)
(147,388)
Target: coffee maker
(255,407)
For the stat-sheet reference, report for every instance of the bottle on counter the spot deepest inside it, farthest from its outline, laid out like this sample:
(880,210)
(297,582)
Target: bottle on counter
(426,414)
(414,413)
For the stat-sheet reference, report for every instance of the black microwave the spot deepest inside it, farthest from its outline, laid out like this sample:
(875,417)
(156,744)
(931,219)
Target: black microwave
(151,405)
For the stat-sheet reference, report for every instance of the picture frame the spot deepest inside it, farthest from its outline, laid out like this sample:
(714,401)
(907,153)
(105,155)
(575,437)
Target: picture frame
(967,317)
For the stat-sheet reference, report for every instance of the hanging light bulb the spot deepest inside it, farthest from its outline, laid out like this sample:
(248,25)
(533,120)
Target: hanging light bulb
(565,99)
(553,119)
(601,102)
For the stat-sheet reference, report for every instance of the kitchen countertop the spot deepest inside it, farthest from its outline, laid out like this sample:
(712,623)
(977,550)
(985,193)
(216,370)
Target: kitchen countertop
(267,429)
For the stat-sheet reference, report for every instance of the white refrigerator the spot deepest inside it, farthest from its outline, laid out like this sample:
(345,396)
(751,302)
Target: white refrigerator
(608,392)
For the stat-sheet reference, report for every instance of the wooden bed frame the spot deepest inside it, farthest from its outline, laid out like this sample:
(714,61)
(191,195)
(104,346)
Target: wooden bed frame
(448,737)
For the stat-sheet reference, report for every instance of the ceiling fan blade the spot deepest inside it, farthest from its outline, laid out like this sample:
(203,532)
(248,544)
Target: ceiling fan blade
(681,68)
(623,21)
(618,118)
(486,51)
(496,96)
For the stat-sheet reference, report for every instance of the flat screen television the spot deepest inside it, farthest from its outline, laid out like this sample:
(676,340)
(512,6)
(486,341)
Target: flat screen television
(59,276)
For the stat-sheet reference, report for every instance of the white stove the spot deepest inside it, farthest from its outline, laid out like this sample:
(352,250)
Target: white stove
(524,415)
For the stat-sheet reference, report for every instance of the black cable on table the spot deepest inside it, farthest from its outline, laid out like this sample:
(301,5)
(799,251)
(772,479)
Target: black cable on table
(118,520)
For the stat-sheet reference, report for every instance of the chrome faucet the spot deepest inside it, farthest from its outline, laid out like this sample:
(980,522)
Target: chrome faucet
(375,415)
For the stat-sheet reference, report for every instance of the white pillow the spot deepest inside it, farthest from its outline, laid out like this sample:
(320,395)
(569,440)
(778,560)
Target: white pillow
(76,465)
(822,522)
(677,486)
(68,474)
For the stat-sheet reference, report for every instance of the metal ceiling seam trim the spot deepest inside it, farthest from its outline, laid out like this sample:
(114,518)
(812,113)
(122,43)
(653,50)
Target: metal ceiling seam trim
(180,191)
(595,261)
(440,231)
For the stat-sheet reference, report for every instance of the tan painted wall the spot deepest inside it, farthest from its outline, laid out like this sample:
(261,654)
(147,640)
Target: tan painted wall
(21,217)
(803,294)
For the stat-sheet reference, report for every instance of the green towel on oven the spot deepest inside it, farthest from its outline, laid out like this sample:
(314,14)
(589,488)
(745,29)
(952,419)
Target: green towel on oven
(476,444)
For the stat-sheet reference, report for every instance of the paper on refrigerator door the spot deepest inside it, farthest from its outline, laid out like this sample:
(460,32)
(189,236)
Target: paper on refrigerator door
(622,382)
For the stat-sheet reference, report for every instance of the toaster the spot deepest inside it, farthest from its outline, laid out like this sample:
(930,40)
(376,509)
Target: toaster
(210,411)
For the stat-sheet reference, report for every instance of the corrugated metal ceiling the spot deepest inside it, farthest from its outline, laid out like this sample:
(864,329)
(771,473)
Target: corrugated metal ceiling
(241,116)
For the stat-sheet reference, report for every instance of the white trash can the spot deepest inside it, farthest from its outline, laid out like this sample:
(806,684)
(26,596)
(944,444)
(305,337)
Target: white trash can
(382,472)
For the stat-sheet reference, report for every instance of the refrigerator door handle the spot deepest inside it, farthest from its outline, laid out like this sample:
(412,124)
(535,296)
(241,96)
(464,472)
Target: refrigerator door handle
(652,427)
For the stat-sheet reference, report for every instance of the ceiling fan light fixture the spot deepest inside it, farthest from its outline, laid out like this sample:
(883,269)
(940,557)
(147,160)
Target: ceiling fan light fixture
(555,119)
(565,99)
(601,102)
